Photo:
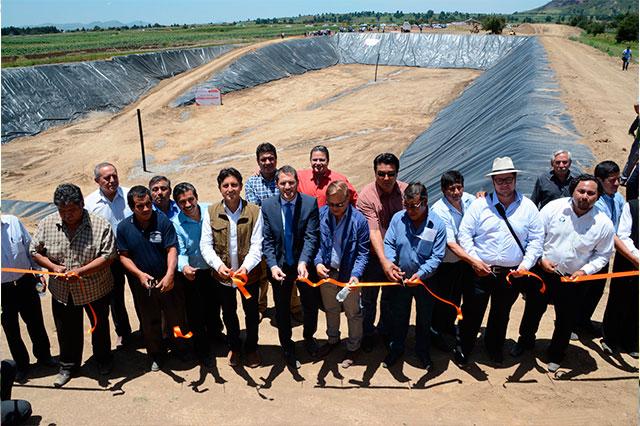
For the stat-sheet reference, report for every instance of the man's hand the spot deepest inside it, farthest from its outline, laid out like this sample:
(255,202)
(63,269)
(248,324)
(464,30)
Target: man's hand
(145,279)
(277,273)
(322,270)
(393,272)
(415,277)
(73,275)
(547,265)
(578,273)
(302,270)
(480,268)
(224,271)
(481,194)
(352,281)
(165,284)
(43,281)
(241,271)
(60,269)
(520,272)
(189,272)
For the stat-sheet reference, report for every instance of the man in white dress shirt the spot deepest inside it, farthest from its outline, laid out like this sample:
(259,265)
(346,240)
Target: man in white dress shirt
(578,241)
(503,232)
(110,202)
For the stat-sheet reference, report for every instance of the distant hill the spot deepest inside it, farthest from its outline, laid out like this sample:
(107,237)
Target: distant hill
(588,7)
(91,25)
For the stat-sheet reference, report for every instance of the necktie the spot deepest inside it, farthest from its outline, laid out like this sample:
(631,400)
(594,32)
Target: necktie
(288,233)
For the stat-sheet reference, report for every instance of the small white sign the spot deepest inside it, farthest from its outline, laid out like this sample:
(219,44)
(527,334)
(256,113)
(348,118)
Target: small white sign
(208,96)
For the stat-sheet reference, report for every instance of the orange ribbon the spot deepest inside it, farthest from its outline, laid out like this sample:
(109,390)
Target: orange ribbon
(177,333)
(599,276)
(381,284)
(65,275)
(240,280)
(543,287)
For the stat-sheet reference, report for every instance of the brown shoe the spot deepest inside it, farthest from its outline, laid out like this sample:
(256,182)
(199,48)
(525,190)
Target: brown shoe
(253,360)
(234,358)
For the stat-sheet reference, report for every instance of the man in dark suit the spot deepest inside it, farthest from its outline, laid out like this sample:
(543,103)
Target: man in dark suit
(291,239)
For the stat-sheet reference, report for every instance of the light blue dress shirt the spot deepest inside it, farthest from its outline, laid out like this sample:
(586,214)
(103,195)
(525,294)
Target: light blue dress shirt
(189,232)
(336,249)
(414,249)
(15,248)
(484,235)
(451,218)
(604,205)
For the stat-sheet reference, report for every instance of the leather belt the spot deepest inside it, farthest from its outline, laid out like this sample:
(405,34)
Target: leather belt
(502,270)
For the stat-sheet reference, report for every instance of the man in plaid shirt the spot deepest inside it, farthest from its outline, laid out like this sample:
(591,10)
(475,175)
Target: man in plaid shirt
(82,245)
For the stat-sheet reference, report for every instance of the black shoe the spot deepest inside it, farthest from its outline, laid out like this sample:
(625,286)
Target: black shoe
(367,344)
(105,368)
(19,414)
(291,360)
(22,375)
(518,349)
(47,362)
(62,378)
(495,358)
(391,359)
(425,361)
(459,358)
(317,351)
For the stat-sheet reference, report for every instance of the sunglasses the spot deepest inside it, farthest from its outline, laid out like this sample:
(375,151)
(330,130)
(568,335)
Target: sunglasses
(412,206)
(504,181)
(386,174)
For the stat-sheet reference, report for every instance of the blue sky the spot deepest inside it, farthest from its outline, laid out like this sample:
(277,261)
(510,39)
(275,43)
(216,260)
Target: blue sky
(33,12)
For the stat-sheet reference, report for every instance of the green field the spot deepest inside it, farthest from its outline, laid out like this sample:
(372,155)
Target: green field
(27,50)
(607,43)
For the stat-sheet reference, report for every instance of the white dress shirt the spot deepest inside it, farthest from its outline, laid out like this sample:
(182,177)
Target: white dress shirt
(576,243)
(15,248)
(485,235)
(451,218)
(114,211)
(624,230)
(253,257)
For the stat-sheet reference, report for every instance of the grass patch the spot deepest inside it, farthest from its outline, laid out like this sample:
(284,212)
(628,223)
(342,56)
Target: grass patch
(607,43)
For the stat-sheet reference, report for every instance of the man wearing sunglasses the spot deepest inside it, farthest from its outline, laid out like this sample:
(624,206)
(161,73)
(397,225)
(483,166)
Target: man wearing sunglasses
(378,201)
(503,231)
(555,183)
(414,246)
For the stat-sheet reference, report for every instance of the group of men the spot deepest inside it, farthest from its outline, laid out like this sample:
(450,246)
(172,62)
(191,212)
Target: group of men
(185,261)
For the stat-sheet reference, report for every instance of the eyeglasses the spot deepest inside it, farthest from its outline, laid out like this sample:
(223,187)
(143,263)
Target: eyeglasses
(504,181)
(412,206)
(386,174)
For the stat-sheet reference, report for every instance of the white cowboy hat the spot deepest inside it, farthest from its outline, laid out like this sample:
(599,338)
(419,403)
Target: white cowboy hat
(502,165)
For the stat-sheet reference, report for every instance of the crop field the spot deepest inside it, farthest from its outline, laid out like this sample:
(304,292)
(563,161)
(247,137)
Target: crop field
(27,50)
(607,43)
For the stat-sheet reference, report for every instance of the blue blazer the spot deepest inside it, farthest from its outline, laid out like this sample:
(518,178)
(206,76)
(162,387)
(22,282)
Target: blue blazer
(355,243)
(305,236)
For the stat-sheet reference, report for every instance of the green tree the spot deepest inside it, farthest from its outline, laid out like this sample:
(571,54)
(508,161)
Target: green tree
(628,28)
(494,23)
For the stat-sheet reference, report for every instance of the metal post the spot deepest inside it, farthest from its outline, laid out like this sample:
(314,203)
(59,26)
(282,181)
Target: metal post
(375,78)
(144,159)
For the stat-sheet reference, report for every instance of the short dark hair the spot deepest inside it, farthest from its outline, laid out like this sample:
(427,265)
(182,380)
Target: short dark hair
(157,179)
(287,170)
(68,193)
(585,178)
(320,148)
(183,187)
(226,172)
(137,191)
(451,177)
(415,189)
(386,158)
(264,148)
(605,169)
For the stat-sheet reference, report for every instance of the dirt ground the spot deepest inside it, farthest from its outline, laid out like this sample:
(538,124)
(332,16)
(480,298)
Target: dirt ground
(324,107)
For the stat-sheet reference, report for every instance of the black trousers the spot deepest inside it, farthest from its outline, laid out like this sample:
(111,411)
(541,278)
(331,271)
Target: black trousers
(202,305)
(369,299)
(474,306)
(21,299)
(152,307)
(118,310)
(310,298)
(620,323)
(589,295)
(251,316)
(448,283)
(69,326)
(564,297)
(400,299)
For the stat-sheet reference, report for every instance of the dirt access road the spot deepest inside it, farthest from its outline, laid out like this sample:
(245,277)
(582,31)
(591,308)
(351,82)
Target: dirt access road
(591,389)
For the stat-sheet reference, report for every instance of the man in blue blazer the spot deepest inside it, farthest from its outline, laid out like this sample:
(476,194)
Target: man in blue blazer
(291,239)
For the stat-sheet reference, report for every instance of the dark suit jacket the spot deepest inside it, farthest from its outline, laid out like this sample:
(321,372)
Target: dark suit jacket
(306,233)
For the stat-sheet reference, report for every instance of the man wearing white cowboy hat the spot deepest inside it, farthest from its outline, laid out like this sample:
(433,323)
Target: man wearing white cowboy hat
(503,231)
